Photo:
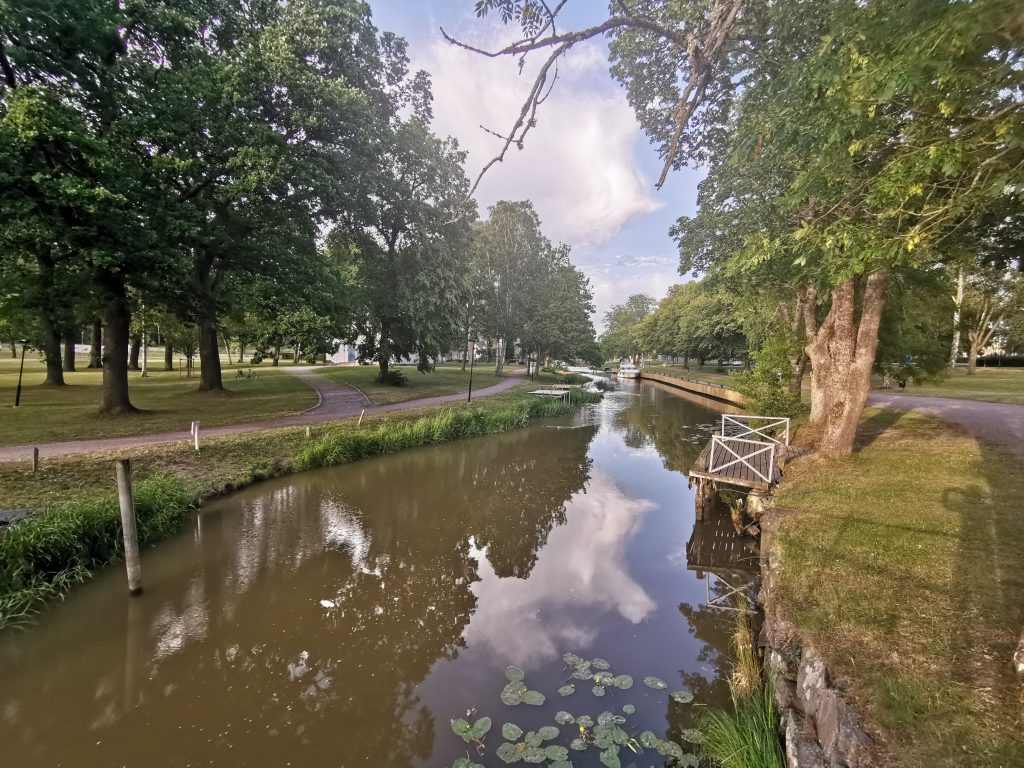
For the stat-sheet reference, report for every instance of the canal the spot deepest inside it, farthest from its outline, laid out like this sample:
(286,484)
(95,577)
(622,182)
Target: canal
(345,616)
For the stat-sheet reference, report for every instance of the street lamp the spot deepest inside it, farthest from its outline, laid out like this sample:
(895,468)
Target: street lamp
(21,371)
(472,360)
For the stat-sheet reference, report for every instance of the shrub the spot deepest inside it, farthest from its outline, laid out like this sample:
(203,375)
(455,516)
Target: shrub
(394,377)
(576,379)
(766,386)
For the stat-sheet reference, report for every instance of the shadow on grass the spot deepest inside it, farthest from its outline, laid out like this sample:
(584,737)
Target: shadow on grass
(873,428)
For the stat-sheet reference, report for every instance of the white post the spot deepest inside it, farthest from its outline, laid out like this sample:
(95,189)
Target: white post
(195,433)
(360,422)
(133,564)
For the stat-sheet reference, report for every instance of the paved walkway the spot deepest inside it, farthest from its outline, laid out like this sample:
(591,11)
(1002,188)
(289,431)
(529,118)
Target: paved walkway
(996,422)
(336,401)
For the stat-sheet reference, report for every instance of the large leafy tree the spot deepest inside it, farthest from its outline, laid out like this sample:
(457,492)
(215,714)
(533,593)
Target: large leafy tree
(623,326)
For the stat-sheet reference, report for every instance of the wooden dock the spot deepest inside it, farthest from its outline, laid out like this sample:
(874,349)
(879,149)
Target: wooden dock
(744,463)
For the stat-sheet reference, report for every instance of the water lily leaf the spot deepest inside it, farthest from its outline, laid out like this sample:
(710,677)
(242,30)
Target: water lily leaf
(655,682)
(532,739)
(556,752)
(688,761)
(599,690)
(629,709)
(604,718)
(669,749)
(513,693)
(567,690)
(561,764)
(536,698)
(610,758)
(599,664)
(481,727)
(510,753)
(691,735)
(465,762)
(547,733)
(648,739)
(514,673)
(625,682)
(604,736)
(564,718)
(579,745)
(683,696)
(585,721)
(571,659)
(461,728)
(534,755)
(583,674)
(620,736)
(511,731)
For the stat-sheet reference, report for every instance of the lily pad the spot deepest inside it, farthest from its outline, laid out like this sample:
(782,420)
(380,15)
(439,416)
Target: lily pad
(532,739)
(514,673)
(465,762)
(648,740)
(513,693)
(536,698)
(604,718)
(625,682)
(561,764)
(567,690)
(691,735)
(586,721)
(599,690)
(669,749)
(583,674)
(534,755)
(629,709)
(682,697)
(510,753)
(481,727)
(610,758)
(547,733)
(655,682)
(571,658)
(556,752)
(688,761)
(599,664)
(461,728)
(564,718)
(578,744)
(511,731)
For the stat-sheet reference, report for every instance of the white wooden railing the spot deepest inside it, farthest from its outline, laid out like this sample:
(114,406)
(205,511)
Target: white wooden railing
(760,428)
(724,456)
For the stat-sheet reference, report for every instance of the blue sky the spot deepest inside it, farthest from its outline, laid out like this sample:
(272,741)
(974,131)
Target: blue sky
(587,166)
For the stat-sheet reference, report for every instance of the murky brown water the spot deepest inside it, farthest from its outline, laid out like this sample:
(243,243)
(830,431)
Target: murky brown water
(343,617)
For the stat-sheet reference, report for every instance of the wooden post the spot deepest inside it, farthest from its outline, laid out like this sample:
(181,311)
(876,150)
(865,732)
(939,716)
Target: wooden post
(360,422)
(308,434)
(35,459)
(132,563)
(195,433)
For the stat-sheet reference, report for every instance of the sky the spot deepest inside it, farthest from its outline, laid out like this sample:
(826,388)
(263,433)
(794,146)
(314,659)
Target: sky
(587,166)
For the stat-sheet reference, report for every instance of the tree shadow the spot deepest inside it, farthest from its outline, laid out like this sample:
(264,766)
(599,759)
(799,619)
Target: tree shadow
(874,427)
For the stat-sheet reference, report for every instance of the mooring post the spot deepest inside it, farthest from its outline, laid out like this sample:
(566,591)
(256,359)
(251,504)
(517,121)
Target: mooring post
(35,459)
(360,422)
(195,433)
(133,565)
(308,433)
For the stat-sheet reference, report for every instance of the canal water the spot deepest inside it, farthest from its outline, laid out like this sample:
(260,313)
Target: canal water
(345,616)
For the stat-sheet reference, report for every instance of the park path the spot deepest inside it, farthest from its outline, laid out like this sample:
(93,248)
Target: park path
(1001,423)
(336,401)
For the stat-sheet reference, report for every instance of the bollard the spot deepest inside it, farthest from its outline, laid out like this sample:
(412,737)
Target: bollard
(195,433)
(123,469)
(308,435)
(35,459)
(360,422)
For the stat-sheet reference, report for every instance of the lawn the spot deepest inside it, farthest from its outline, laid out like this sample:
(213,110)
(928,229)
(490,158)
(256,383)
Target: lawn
(707,373)
(904,567)
(168,399)
(995,385)
(444,380)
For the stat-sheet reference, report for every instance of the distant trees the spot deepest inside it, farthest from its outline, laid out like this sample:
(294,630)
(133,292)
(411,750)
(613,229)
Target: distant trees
(623,323)
(695,320)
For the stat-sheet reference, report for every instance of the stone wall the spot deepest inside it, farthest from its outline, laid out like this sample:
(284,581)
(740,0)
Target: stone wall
(819,724)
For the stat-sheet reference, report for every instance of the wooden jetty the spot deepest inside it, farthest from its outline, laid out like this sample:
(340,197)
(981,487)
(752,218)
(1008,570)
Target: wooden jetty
(561,394)
(749,454)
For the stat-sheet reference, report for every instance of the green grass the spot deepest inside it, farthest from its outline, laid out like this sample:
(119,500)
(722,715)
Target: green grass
(707,374)
(994,385)
(78,527)
(904,568)
(169,402)
(444,380)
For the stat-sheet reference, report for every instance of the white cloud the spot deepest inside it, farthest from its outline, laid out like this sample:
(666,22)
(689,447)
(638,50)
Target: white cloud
(578,165)
(613,285)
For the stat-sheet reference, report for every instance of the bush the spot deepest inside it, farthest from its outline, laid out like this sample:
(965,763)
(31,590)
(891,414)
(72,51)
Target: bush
(394,377)
(42,557)
(576,379)
(767,385)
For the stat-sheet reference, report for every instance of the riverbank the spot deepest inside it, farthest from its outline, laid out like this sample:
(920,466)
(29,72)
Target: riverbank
(901,571)
(77,528)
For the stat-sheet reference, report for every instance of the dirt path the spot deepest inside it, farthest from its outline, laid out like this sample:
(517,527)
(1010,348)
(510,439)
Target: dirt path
(336,401)
(996,422)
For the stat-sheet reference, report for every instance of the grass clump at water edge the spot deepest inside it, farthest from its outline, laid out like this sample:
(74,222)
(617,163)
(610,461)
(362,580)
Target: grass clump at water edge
(746,736)
(44,556)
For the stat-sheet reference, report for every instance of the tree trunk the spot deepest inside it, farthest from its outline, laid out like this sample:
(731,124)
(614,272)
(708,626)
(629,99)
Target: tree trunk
(842,352)
(209,356)
(277,355)
(384,353)
(241,351)
(168,356)
(14,349)
(116,319)
(796,386)
(499,357)
(133,356)
(227,349)
(51,352)
(954,351)
(972,358)
(96,342)
(69,354)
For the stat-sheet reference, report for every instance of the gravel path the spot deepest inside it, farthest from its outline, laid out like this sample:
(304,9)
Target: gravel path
(996,422)
(336,401)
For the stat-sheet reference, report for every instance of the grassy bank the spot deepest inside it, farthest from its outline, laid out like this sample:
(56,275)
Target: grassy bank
(79,529)
(443,380)
(904,568)
(995,385)
(169,401)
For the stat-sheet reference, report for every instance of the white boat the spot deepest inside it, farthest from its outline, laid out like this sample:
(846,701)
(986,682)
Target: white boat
(628,371)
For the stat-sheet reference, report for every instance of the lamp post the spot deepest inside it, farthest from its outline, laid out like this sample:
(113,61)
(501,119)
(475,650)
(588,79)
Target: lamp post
(472,361)
(21,371)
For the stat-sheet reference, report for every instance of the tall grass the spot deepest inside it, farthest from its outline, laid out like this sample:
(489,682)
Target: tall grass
(343,447)
(42,557)
(747,736)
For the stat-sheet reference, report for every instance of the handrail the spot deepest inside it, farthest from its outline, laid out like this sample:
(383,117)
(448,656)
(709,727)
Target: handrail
(720,441)
(744,424)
